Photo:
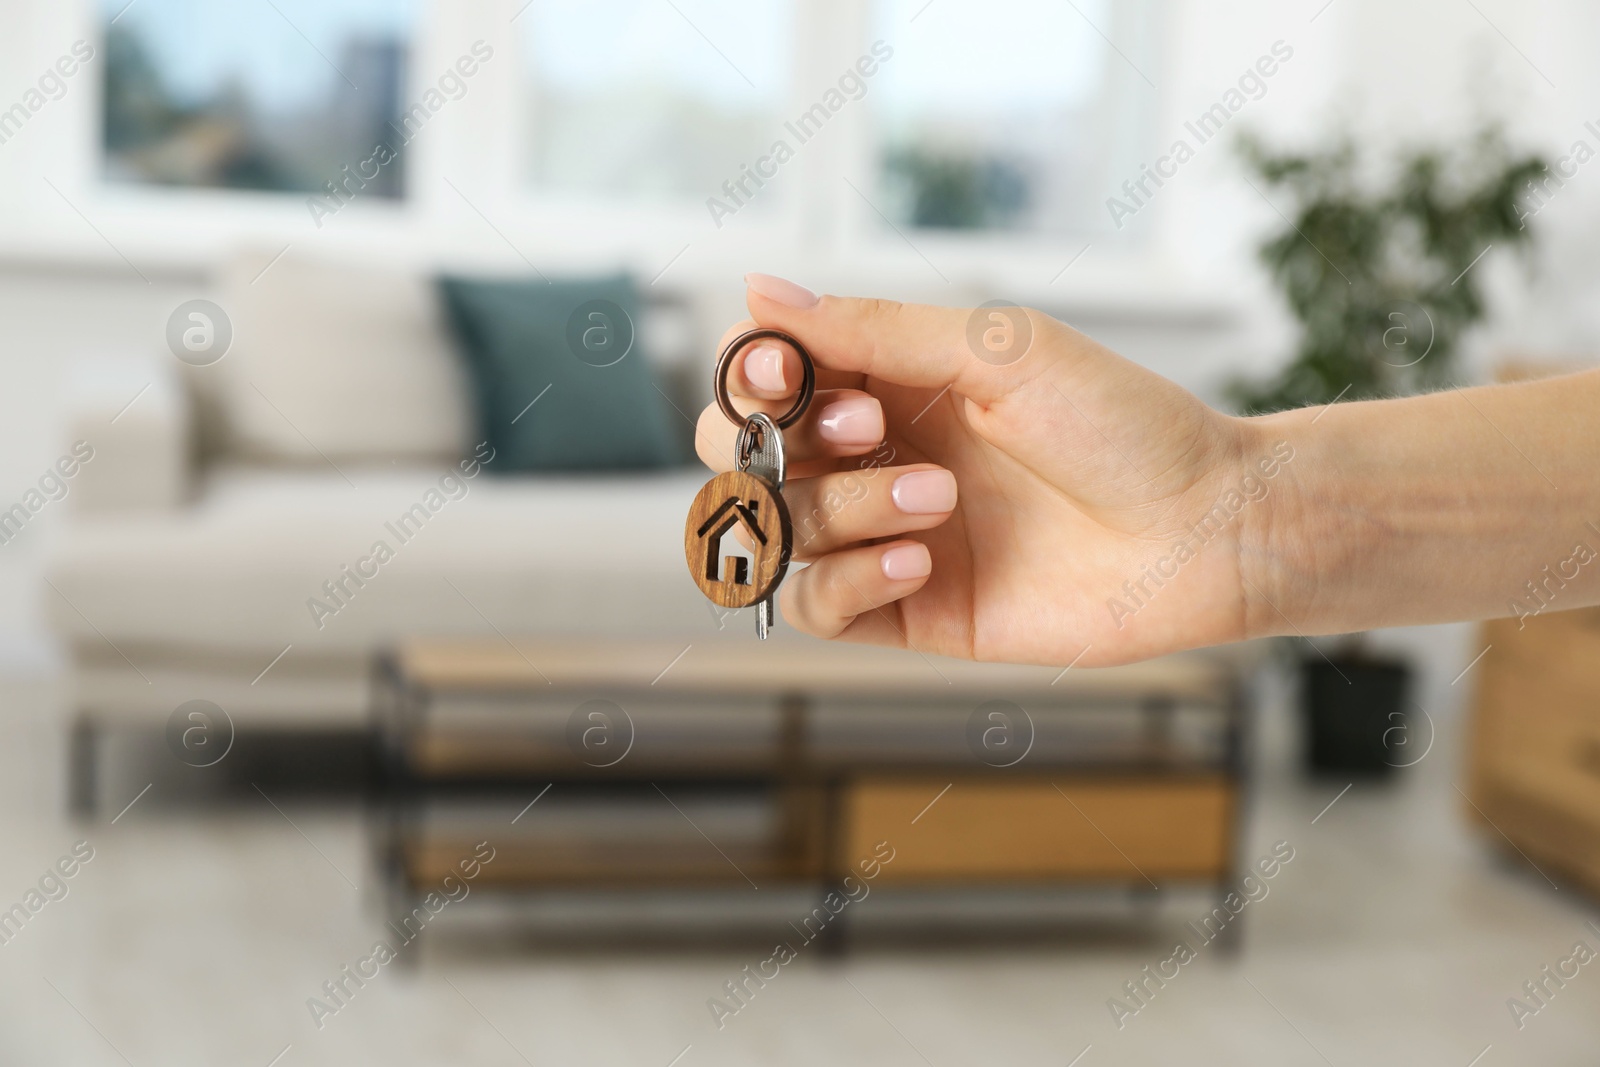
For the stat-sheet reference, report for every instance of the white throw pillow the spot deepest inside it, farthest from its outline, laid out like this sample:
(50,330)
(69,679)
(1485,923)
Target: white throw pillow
(337,360)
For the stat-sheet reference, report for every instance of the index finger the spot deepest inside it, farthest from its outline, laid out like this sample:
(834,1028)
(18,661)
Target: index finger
(982,353)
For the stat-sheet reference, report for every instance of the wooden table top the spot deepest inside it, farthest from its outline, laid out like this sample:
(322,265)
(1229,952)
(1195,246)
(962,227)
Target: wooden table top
(720,664)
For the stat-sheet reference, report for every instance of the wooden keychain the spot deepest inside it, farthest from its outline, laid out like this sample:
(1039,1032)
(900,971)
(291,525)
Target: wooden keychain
(750,496)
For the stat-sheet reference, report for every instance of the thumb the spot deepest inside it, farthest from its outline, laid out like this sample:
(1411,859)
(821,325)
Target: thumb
(983,353)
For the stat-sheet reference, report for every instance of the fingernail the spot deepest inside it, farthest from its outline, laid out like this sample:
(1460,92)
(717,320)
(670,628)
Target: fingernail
(924,492)
(783,291)
(763,366)
(857,421)
(906,562)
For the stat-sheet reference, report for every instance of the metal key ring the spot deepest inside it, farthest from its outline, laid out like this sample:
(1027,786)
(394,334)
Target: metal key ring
(808,387)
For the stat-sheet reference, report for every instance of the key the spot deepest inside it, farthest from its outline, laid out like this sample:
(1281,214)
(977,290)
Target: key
(748,499)
(759,451)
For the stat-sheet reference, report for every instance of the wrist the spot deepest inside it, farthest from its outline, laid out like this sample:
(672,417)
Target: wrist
(1275,551)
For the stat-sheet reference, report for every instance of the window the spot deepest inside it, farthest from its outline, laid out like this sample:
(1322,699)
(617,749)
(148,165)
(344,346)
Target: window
(1009,114)
(651,99)
(275,96)
(1001,125)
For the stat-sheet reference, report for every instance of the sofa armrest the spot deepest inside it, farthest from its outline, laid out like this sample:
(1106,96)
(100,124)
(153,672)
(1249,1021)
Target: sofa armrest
(136,415)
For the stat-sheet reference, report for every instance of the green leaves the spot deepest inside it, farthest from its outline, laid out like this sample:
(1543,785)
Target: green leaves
(1381,265)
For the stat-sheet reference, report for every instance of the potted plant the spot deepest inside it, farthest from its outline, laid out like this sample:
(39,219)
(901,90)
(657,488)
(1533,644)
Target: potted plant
(1382,269)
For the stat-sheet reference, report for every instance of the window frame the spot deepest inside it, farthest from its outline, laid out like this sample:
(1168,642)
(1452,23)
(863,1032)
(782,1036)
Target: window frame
(823,226)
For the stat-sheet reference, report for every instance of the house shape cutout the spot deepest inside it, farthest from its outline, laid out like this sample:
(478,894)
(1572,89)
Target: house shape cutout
(731,511)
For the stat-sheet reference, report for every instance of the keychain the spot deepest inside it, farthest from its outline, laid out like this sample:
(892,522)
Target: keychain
(750,496)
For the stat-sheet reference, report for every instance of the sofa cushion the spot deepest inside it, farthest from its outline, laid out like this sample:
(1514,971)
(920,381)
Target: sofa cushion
(548,399)
(246,567)
(336,361)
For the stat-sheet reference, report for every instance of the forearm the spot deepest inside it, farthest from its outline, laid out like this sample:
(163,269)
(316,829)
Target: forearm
(1457,505)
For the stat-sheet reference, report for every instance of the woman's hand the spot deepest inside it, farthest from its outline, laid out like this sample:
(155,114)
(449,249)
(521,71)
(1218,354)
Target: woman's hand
(994,485)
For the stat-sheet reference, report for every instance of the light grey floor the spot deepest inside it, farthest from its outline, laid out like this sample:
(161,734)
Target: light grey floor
(196,937)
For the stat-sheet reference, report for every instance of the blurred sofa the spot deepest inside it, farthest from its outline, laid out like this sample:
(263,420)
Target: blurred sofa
(228,501)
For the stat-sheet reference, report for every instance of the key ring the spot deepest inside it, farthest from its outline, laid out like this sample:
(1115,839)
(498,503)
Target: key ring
(808,386)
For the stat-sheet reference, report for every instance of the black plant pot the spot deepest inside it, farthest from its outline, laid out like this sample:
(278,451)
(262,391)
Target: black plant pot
(1355,718)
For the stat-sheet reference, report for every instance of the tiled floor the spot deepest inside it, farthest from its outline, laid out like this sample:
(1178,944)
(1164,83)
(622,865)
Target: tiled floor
(196,936)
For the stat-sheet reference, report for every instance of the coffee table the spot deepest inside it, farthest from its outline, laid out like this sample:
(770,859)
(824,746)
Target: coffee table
(728,763)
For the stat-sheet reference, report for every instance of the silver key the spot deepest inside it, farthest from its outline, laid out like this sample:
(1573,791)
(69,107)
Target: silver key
(760,453)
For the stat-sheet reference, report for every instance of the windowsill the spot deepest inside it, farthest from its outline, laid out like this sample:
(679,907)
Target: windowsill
(159,240)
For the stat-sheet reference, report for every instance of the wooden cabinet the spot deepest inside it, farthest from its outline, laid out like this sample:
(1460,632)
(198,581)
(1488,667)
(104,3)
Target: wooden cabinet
(1117,830)
(1535,747)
